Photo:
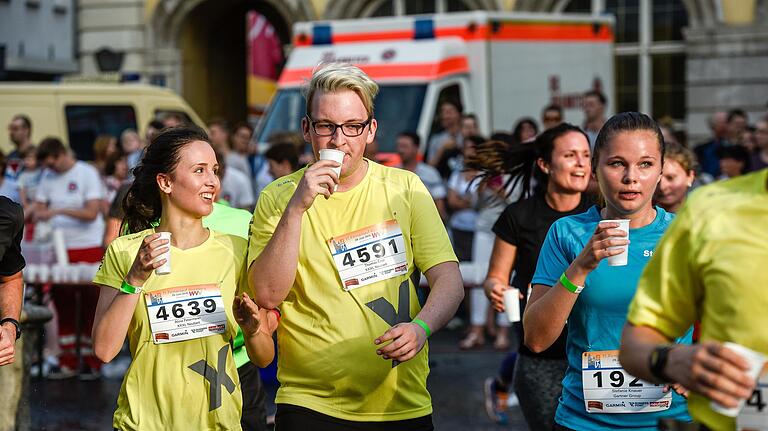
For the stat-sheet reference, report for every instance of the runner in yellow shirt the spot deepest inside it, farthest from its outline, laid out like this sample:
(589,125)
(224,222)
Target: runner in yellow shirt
(180,325)
(710,267)
(340,266)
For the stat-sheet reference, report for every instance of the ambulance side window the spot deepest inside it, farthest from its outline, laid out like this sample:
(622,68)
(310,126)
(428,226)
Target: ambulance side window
(450,93)
(86,122)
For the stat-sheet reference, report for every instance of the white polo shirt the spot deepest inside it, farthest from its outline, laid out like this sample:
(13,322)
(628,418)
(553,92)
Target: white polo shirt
(72,189)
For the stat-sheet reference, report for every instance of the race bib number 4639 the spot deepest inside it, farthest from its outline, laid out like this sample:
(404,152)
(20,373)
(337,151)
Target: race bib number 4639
(610,389)
(368,255)
(186,313)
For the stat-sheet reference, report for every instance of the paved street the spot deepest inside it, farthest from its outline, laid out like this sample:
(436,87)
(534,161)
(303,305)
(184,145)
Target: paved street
(455,383)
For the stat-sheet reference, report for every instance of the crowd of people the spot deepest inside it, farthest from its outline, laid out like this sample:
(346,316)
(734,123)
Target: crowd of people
(328,257)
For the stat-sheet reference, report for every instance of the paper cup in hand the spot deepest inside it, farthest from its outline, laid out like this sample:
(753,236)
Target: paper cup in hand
(336,156)
(166,267)
(756,361)
(512,304)
(619,259)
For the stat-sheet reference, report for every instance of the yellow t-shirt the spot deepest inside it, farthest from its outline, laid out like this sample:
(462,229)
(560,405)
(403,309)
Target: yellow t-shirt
(327,361)
(710,266)
(160,391)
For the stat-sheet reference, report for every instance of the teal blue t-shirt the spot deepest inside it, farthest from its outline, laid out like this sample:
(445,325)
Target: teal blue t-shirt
(598,317)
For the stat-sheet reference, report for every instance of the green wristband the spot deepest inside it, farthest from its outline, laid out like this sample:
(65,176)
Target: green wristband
(569,285)
(127,288)
(423,326)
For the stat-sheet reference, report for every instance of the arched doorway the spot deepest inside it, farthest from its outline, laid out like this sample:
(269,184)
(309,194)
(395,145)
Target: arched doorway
(202,46)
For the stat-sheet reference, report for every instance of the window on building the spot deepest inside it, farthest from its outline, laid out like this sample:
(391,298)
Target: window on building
(669,85)
(626,70)
(658,89)
(85,123)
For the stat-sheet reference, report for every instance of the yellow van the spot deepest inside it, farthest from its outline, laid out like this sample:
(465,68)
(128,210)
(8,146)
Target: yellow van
(77,113)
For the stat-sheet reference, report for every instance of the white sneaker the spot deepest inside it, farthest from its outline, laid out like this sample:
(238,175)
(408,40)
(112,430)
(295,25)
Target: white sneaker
(512,401)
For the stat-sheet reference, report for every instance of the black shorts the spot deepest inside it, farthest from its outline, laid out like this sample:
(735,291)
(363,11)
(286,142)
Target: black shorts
(295,418)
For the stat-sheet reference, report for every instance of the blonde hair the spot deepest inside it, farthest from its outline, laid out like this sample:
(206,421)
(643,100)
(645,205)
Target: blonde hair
(333,77)
(681,155)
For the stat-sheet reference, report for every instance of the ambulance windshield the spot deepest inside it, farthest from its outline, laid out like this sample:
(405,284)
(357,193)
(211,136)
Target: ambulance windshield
(397,109)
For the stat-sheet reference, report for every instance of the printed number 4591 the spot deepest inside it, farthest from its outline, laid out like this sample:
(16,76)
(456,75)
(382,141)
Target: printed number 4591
(193,309)
(378,249)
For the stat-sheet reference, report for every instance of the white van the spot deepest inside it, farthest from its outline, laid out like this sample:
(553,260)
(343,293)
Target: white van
(78,113)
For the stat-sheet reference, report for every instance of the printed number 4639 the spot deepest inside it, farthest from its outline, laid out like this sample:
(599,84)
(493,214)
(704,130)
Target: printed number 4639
(378,249)
(192,308)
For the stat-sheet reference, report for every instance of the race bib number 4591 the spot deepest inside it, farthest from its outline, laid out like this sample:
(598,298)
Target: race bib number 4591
(754,415)
(185,313)
(368,255)
(610,389)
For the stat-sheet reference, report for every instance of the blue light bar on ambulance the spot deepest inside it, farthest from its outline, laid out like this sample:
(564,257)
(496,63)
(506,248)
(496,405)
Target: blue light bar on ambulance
(424,29)
(321,34)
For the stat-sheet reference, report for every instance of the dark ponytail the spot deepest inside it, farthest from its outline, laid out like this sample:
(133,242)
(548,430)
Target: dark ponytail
(626,122)
(495,158)
(142,205)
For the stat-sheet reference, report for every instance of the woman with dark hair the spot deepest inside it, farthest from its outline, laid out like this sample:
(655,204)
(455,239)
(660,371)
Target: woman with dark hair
(574,284)
(180,323)
(525,129)
(559,159)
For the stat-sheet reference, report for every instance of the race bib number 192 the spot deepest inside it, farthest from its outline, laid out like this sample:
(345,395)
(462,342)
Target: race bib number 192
(610,389)
(185,313)
(368,255)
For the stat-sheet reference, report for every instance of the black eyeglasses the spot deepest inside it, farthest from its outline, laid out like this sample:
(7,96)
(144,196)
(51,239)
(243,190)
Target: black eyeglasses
(325,128)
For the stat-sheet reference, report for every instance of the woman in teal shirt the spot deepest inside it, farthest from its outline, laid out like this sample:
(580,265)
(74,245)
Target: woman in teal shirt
(574,284)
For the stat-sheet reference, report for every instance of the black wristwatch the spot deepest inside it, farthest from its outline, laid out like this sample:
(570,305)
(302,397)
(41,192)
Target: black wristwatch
(658,360)
(15,323)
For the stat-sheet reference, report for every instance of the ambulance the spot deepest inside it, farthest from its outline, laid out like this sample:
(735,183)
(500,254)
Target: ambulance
(500,66)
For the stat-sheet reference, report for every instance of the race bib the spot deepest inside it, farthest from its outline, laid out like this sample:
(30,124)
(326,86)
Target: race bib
(185,313)
(754,415)
(610,389)
(368,255)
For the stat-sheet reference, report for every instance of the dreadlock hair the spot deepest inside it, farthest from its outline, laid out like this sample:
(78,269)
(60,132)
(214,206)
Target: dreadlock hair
(496,158)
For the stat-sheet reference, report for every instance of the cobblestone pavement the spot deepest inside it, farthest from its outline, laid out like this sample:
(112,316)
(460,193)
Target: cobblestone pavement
(455,382)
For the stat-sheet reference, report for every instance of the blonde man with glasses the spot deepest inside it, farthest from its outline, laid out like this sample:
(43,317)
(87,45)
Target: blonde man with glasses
(343,268)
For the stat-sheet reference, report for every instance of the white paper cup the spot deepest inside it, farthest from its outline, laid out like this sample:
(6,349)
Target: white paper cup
(619,259)
(756,361)
(512,304)
(336,156)
(166,267)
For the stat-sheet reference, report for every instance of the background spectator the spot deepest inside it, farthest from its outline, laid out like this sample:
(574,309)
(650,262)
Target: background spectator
(760,156)
(525,129)
(283,159)
(734,161)
(20,135)
(408,148)
(450,135)
(594,114)
(69,198)
(551,116)
(707,153)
